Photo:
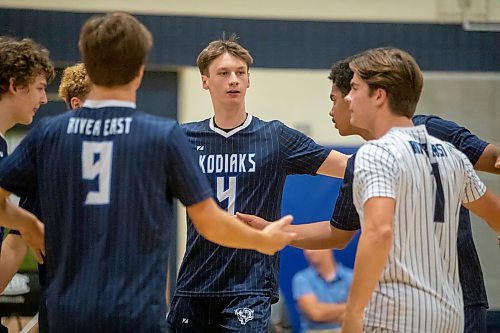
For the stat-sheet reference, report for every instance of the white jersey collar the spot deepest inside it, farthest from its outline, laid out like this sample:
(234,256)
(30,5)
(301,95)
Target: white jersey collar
(234,130)
(93,104)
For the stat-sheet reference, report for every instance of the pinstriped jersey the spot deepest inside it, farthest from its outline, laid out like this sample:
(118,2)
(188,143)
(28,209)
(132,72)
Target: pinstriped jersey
(246,168)
(106,176)
(3,153)
(419,290)
(469,267)
(345,216)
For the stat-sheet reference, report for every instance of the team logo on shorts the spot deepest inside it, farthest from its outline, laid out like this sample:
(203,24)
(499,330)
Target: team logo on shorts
(244,315)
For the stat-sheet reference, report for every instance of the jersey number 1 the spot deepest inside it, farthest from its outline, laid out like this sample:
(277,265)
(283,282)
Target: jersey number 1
(96,162)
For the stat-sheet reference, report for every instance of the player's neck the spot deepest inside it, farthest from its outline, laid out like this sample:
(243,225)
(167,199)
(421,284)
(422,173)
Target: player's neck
(229,117)
(7,121)
(121,93)
(384,124)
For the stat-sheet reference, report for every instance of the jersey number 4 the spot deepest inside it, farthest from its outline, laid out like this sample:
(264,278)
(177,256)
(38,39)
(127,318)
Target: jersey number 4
(228,194)
(96,162)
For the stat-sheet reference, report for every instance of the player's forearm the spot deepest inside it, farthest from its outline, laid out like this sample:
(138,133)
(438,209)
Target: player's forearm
(219,227)
(319,235)
(489,161)
(371,257)
(13,251)
(232,233)
(14,217)
(487,208)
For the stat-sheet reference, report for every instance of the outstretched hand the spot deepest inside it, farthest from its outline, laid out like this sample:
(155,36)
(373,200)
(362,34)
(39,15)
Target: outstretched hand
(497,163)
(253,220)
(276,236)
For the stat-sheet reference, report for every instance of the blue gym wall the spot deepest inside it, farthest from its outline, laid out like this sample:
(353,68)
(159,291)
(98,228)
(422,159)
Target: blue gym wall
(274,43)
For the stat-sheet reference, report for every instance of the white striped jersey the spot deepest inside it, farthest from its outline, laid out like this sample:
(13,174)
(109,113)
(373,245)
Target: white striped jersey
(419,289)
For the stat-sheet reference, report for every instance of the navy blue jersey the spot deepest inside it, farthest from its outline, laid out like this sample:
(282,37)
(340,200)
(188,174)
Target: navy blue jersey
(3,153)
(471,276)
(247,168)
(106,178)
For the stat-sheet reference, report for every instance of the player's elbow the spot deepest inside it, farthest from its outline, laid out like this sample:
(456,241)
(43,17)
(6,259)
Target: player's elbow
(344,240)
(381,233)
(384,236)
(338,238)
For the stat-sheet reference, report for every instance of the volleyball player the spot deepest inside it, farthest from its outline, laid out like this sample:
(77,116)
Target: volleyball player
(25,71)
(246,161)
(75,86)
(106,175)
(485,157)
(408,187)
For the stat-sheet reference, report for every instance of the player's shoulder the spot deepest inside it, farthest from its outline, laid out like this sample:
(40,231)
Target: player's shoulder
(382,150)
(196,126)
(385,143)
(437,141)
(154,119)
(450,149)
(153,123)
(277,124)
(49,123)
(258,123)
(423,119)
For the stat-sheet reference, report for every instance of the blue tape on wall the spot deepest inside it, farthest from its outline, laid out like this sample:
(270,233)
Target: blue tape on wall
(274,43)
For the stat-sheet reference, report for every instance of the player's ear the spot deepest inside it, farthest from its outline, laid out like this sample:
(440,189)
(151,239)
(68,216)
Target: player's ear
(75,103)
(204,82)
(248,84)
(380,96)
(12,85)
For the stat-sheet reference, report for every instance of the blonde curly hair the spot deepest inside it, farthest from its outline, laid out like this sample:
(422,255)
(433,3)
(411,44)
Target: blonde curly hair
(74,83)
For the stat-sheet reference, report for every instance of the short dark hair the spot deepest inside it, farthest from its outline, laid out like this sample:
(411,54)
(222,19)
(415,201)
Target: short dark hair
(113,48)
(341,75)
(221,46)
(23,60)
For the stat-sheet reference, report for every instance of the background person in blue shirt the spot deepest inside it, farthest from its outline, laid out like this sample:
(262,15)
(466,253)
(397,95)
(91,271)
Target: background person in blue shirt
(321,291)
